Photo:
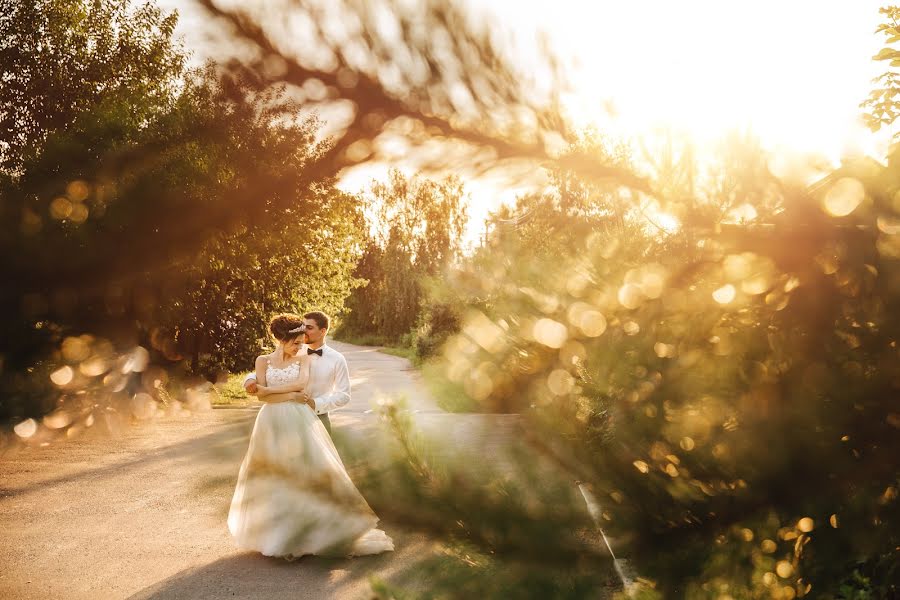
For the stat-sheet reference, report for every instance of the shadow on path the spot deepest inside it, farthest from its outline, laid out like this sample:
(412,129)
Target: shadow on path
(251,575)
(226,441)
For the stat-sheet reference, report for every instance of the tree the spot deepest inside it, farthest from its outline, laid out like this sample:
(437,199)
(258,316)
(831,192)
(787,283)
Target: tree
(362,304)
(399,302)
(425,217)
(417,234)
(59,58)
(80,81)
(225,298)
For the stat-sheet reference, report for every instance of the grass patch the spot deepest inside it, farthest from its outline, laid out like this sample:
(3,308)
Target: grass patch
(232,393)
(403,352)
(361,340)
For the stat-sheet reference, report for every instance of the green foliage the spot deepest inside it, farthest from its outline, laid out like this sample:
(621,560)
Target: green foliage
(464,572)
(557,221)
(368,339)
(881,106)
(873,578)
(81,80)
(400,297)
(62,57)
(401,348)
(704,389)
(728,391)
(362,304)
(439,320)
(297,261)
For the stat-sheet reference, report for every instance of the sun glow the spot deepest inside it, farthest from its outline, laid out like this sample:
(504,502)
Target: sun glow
(793,73)
(669,223)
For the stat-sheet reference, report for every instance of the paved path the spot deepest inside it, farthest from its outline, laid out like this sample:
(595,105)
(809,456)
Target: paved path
(142,514)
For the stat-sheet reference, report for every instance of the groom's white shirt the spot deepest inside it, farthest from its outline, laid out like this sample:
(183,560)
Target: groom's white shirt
(329,379)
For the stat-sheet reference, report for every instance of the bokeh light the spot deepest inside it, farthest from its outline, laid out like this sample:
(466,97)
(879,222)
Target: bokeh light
(844,197)
(26,428)
(724,294)
(62,376)
(550,333)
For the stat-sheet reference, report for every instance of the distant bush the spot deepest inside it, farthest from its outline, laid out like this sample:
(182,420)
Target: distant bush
(439,321)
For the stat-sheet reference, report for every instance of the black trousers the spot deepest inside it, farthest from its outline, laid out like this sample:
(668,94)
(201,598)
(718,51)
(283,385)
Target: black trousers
(326,422)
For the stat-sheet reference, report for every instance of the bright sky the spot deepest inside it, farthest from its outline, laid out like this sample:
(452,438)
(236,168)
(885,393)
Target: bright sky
(793,71)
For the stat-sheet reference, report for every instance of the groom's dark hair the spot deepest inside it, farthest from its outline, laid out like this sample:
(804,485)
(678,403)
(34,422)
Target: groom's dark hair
(321,319)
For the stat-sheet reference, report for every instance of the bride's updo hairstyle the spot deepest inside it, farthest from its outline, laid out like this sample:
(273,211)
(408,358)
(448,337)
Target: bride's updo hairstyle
(282,327)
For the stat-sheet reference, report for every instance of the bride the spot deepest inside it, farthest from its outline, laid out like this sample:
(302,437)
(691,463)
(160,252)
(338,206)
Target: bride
(293,495)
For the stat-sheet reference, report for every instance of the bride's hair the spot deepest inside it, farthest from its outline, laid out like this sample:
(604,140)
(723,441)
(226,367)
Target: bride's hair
(286,327)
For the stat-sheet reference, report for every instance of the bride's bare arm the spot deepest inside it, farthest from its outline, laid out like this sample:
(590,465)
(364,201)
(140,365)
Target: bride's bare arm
(262,392)
(275,398)
(298,386)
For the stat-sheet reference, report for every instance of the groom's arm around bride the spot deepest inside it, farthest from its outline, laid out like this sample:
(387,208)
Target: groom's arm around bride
(329,377)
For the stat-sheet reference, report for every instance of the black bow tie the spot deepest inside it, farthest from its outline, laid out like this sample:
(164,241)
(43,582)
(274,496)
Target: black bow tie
(311,351)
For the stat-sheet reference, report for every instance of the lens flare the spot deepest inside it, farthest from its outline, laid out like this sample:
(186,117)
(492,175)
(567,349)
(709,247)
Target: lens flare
(137,361)
(664,350)
(784,569)
(78,191)
(93,367)
(725,294)
(26,428)
(560,382)
(58,419)
(844,197)
(888,225)
(62,376)
(550,333)
(143,406)
(592,323)
(630,296)
(76,349)
(61,208)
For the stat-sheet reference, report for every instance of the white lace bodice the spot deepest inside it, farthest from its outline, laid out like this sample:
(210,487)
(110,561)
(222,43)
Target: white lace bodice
(283,376)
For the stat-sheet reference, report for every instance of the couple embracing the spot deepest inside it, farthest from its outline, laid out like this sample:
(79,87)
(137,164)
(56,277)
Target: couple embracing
(294,496)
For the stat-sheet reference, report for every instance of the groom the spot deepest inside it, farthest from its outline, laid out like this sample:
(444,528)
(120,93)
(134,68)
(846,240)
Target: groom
(329,377)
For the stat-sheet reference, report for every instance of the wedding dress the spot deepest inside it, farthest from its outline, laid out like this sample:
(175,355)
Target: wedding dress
(293,495)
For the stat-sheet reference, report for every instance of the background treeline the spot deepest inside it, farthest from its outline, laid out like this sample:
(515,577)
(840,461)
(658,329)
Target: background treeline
(416,236)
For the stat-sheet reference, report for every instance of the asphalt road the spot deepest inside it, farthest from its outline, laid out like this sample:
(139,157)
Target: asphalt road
(139,512)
